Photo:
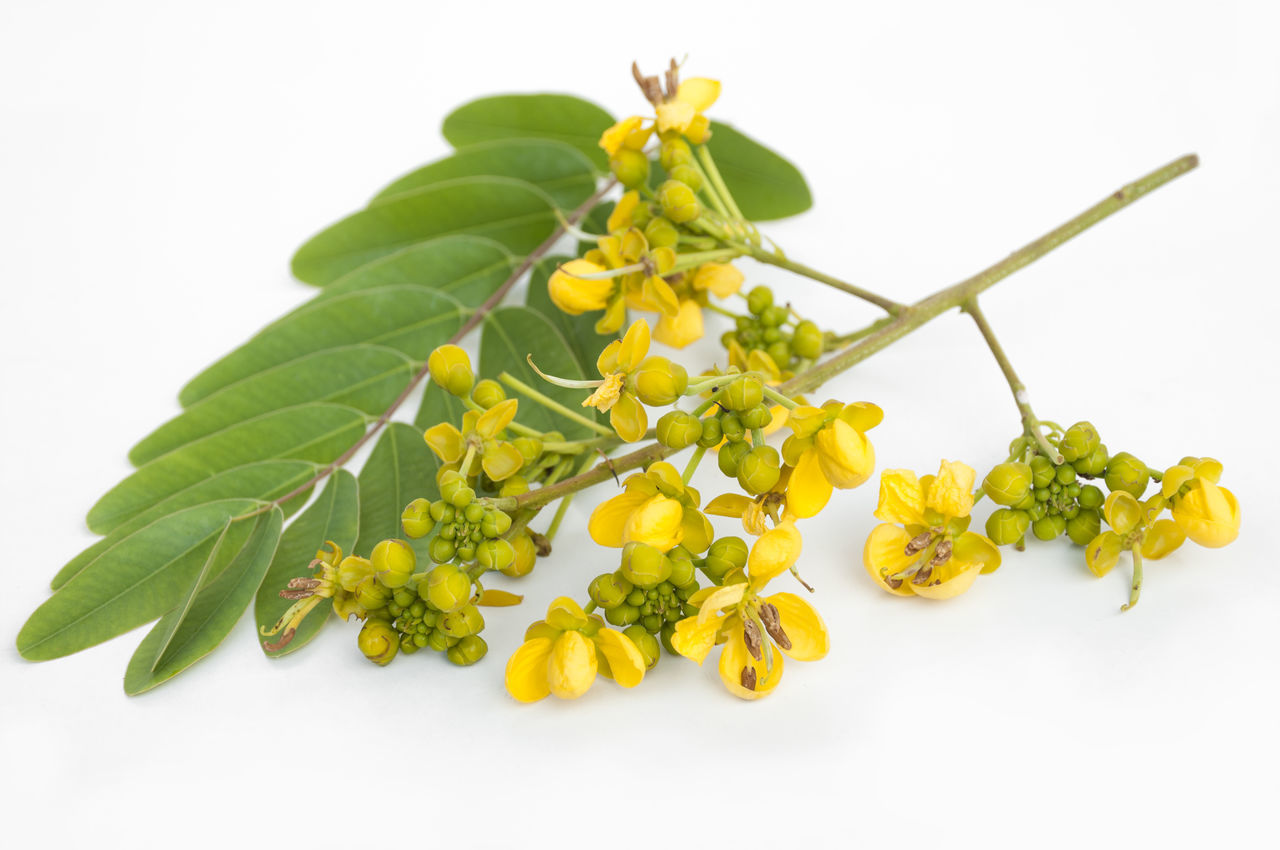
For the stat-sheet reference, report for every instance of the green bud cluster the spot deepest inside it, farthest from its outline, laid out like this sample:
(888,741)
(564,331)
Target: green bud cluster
(465,529)
(648,594)
(771,328)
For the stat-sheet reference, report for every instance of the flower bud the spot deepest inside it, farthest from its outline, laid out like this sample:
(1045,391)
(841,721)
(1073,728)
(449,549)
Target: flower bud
(808,340)
(514,486)
(1090,497)
(726,554)
(660,382)
(759,470)
(712,434)
(526,554)
(678,201)
(393,561)
(446,588)
(1006,526)
(644,566)
(467,651)
(495,523)
(675,151)
(1007,484)
(495,554)
(682,570)
(487,393)
(439,641)
(622,615)
(441,550)
(759,299)
(416,519)
(450,368)
(646,643)
(688,175)
(442,511)
(1094,464)
(730,456)
(609,590)
(1042,471)
(353,571)
(1080,441)
(1084,526)
(379,642)
(1125,472)
(631,167)
(661,233)
(465,621)
(371,596)
(678,429)
(731,427)
(756,417)
(743,393)
(1048,527)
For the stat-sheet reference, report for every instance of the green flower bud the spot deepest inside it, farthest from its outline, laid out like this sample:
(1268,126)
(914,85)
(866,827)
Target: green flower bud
(756,417)
(661,233)
(743,393)
(393,562)
(631,167)
(1006,526)
(1037,511)
(495,554)
(442,511)
(712,433)
(1095,464)
(780,353)
(463,622)
(730,456)
(441,550)
(643,565)
(659,382)
(609,590)
(467,651)
(526,554)
(1042,471)
(495,523)
(450,368)
(675,151)
(1079,441)
(1048,527)
(759,299)
(759,470)
(667,631)
(530,448)
(353,571)
(646,643)
(1084,526)
(731,427)
(487,393)
(407,645)
(808,340)
(514,486)
(1065,474)
(622,615)
(439,641)
(379,642)
(652,622)
(678,201)
(1008,483)
(688,175)
(775,316)
(451,481)
(1126,472)
(725,554)
(404,597)
(371,596)
(416,519)
(682,571)
(446,588)
(473,513)
(1091,497)
(639,598)
(678,429)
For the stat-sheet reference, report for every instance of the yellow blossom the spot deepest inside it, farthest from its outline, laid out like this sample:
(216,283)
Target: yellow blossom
(656,508)
(618,360)
(562,654)
(480,441)
(720,279)
(1206,512)
(828,449)
(924,547)
(681,329)
(683,113)
(627,133)
(575,293)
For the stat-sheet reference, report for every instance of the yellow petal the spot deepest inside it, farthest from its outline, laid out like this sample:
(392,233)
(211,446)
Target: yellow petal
(699,130)
(722,597)
(1162,539)
(501,460)
(675,115)
(803,625)
(494,598)
(885,554)
(862,415)
(846,455)
(615,137)
(1173,479)
(951,579)
(659,295)
(493,420)
(694,640)
(721,279)
(623,211)
(1208,514)
(658,522)
(446,441)
(628,418)
(572,666)
(607,362)
(527,670)
(1122,511)
(951,493)
(681,329)
(697,532)
(574,295)
(613,317)
(1103,552)
(563,613)
(901,498)
(974,548)
(735,658)
(626,663)
(806,420)
(698,92)
(610,518)
(808,489)
(635,345)
(729,504)
(774,552)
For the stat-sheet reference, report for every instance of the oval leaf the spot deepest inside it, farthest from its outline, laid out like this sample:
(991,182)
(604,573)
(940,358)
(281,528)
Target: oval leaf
(555,167)
(438,406)
(515,213)
(401,468)
(334,516)
(213,604)
(466,268)
(314,432)
(765,185)
(138,579)
(561,117)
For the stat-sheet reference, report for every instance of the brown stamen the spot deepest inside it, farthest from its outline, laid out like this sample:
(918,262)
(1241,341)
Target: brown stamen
(673,80)
(650,86)
(280,644)
(751,637)
(918,543)
(922,576)
(773,625)
(541,545)
(748,678)
(895,583)
(942,554)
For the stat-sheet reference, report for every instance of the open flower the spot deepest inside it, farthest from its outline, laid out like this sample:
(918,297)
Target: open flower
(1136,528)
(1205,511)
(562,654)
(307,593)
(755,511)
(618,360)
(657,508)
(750,626)
(828,449)
(575,287)
(479,444)
(923,547)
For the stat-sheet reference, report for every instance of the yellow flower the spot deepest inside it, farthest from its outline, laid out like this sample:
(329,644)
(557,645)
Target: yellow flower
(751,626)
(562,654)
(1135,527)
(923,547)
(627,133)
(754,512)
(623,212)
(828,449)
(1206,512)
(618,360)
(720,279)
(683,113)
(656,508)
(575,293)
(479,444)
(681,329)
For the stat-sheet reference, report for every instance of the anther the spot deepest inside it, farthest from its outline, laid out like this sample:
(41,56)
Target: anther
(751,637)
(918,543)
(942,554)
(773,625)
(922,576)
(748,678)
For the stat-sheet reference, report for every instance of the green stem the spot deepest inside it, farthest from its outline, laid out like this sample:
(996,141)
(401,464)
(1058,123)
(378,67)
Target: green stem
(692,466)
(551,404)
(777,397)
(1136,588)
(890,306)
(710,170)
(1030,424)
(605,470)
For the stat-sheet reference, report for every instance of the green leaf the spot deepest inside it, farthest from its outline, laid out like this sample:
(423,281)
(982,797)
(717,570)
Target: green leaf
(765,185)
(214,603)
(467,268)
(437,406)
(401,468)
(334,516)
(138,579)
(578,331)
(366,377)
(410,319)
(557,168)
(515,213)
(512,333)
(262,481)
(315,432)
(562,117)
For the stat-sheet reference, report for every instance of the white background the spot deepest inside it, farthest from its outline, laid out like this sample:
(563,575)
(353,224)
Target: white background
(159,163)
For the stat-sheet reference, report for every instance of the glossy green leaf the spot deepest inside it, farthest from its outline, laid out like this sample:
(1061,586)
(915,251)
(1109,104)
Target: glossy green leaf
(467,268)
(438,406)
(561,117)
(210,610)
(401,468)
(333,517)
(410,319)
(513,212)
(555,167)
(366,377)
(137,580)
(316,432)
(263,480)
(765,185)
(578,331)
(512,333)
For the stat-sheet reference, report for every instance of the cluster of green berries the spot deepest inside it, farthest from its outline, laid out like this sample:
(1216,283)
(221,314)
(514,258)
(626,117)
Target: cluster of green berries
(647,595)
(772,328)
(1051,500)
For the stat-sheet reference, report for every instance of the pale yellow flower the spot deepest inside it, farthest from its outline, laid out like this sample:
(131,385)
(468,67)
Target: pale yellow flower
(562,654)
